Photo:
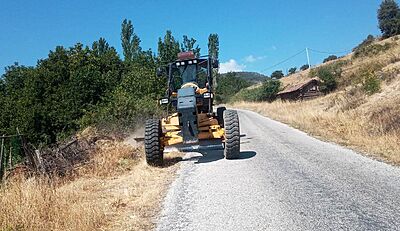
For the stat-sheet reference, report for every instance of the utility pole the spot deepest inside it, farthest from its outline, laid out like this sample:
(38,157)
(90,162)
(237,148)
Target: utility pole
(308,58)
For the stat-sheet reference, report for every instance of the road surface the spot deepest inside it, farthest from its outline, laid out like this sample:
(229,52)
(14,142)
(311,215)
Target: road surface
(285,180)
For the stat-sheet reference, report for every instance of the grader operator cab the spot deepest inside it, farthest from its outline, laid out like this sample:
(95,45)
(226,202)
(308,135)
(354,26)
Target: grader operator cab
(190,123)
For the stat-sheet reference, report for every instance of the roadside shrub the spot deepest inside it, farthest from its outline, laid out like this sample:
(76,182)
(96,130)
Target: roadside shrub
(371,83)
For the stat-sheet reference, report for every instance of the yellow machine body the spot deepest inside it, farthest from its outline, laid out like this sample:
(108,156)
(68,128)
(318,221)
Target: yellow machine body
(208,129)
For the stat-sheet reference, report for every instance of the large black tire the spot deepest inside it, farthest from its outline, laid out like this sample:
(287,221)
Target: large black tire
(220,116)
(232,135)
(152,143)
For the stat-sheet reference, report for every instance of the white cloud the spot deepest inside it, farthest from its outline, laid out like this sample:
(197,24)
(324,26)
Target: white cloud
(252,58)
(229,66)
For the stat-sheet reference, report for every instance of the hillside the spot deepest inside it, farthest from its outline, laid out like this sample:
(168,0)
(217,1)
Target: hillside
(362,113)
(252,77)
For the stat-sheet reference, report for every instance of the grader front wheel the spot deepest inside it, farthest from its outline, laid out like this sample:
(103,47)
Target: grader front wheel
(152,142)
(232,134)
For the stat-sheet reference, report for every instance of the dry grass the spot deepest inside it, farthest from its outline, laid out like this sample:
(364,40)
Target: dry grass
(370,124)
(115,191)
(366,132)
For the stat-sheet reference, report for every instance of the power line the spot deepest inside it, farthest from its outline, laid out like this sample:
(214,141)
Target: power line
(284,61)
(329,52)
(308,57)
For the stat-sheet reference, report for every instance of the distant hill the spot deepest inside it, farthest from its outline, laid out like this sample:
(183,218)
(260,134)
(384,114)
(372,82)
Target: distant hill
(252,77)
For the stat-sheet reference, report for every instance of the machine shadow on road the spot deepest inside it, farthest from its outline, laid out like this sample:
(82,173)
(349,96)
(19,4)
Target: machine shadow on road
(207,155)
(216,155)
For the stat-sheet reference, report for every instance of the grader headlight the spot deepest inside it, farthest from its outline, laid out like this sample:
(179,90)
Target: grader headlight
(207,95)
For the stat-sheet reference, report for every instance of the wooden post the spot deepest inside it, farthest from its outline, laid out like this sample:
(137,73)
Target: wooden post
(1,158)
(10,158)
(38,162)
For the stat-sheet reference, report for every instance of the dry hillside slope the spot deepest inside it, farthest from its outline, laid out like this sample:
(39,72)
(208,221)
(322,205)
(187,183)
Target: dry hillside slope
(364,111)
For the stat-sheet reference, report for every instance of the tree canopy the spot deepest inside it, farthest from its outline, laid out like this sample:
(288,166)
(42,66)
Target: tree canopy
(304,67)
(168,48)
(330,58)
(389,18)
(189,45)
(277,74)
(292,70)
(213,46)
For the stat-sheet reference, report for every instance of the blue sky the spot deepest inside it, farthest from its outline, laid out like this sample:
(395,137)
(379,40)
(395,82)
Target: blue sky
(254,35)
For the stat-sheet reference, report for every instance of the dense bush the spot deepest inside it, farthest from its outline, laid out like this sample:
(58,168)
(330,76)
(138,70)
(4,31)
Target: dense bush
(371,83)
(266,92)
(366,76)
(133,99)
(329,74)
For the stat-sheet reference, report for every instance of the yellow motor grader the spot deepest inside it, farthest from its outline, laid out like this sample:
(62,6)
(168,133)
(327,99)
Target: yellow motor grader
(190,123)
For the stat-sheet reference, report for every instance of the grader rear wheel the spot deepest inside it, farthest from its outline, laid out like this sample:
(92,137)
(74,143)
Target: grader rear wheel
(152,142)
(232,134)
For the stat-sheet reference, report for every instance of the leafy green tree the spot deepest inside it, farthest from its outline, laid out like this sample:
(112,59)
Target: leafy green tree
(292,70)
(277,75)
(269,90)
(329,75)
(330,58)
(189,45)
(389,18)
(130,41)
(168,48)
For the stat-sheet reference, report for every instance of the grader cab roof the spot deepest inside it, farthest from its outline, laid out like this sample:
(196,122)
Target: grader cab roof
(186,55)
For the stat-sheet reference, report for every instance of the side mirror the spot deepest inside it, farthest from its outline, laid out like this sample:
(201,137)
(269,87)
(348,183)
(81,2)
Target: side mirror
(215,63)
(160,72)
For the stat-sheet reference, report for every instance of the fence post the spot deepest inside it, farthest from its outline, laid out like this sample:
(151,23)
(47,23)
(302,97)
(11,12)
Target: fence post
(39,162)
(10,158)
(1,158)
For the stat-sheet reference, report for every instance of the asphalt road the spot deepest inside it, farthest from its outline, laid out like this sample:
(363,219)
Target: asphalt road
(285,180)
